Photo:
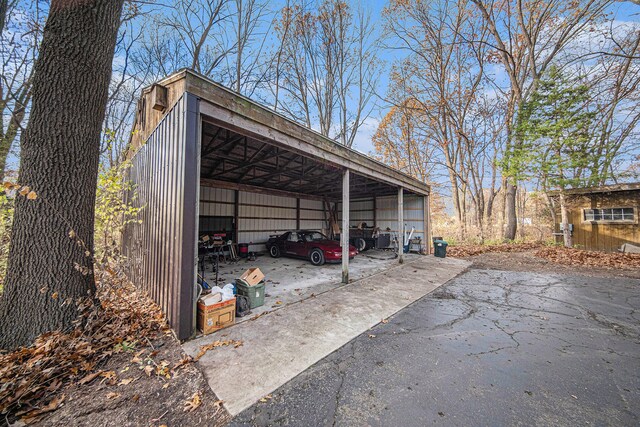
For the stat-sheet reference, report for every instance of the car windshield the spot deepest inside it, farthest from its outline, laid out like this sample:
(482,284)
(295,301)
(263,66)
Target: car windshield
(314,236)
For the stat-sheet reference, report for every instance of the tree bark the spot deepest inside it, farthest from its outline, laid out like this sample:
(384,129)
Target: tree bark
(564,217)
(4,4)
(60,155)
(510,212)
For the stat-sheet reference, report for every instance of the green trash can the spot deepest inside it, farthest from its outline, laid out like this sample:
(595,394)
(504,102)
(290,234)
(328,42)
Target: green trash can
(254,293)
(440,248)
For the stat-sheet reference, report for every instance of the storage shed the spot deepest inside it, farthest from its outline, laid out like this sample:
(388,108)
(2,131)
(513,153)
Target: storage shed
(208,160)
(602,218)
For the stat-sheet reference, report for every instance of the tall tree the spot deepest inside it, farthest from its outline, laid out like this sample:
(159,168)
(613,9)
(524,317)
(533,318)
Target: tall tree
(526,37)
(442,80)
(48,271)
(554,126)
(326,66)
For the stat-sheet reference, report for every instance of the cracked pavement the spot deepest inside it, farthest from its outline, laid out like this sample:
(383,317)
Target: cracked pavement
(488,348)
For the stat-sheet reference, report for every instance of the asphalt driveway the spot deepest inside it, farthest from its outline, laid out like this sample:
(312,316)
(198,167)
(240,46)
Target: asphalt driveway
(489,348)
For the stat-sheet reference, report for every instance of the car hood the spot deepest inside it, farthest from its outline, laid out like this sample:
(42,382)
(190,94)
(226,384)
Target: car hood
(331,245)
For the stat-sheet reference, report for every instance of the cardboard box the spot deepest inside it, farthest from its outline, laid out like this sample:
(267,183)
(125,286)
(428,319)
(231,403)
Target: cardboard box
(216,316)
(252,276)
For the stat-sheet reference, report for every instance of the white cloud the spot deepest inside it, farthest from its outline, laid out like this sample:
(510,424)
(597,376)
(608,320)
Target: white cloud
(362,141)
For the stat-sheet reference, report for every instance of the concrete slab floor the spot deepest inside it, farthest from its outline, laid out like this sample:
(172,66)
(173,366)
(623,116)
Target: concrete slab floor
(490,348)
(290,280)
(281,344)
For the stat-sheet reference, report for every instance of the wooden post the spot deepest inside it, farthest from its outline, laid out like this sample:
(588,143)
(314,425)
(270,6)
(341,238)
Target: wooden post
(375,213)
(427,223)
(400,225)
(344,234)
(298,214)
(236,214)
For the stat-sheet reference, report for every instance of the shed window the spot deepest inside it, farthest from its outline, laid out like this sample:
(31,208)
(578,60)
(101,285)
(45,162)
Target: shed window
(610,214)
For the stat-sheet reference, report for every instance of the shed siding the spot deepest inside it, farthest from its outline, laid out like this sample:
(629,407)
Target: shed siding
(413,213)
(261,215)
(386,213)
(162,249)
(602,236)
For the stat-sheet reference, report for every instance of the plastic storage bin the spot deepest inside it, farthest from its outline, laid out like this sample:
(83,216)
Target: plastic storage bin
(255,293)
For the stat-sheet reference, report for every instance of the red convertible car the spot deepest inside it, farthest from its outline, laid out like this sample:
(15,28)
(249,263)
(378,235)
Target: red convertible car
(312,245)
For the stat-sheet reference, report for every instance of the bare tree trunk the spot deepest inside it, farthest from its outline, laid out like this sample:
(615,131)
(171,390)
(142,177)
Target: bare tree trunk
(60,154)
(239,48)
(510,212)
(4,4)
(564,217)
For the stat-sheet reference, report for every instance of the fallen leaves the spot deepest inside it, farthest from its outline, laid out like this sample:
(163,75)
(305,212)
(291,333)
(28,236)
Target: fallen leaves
(33,376)
(578,257)
(472,250)
(87,379)
(126,381)
(205,348)
(266,398)
(193,403)
(35,415)
(112,395)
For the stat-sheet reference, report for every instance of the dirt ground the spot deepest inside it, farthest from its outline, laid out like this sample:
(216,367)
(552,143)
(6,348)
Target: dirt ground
(134,398)
(527,262)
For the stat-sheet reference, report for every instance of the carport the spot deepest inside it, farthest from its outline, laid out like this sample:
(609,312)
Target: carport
(202,154)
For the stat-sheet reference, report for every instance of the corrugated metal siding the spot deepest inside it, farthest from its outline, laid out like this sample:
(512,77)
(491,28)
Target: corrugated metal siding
(312,215)
(216,201)
(387,213)
(260,215)
(162,249)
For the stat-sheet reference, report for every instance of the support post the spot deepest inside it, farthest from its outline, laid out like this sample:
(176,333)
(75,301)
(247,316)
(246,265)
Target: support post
(375,213)
(344,234)
(236,215)
(298,213)
(400,225)
(427,224)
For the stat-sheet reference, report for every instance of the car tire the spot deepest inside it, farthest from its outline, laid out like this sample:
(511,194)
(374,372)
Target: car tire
(316,257)
(360,244)
(274,251)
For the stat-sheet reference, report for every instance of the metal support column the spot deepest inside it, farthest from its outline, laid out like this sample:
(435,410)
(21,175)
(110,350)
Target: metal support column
(344,234)
(427,224)
(400,225)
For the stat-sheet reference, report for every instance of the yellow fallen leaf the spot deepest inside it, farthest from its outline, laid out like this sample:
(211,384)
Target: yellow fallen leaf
(149,370)
(385,321)
(112,395)
(125,381)
(166,385)
(54,295)
(193,403)
(32,195)
(24,190)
